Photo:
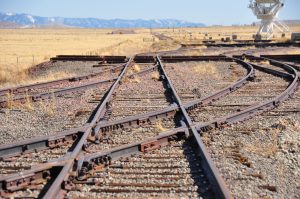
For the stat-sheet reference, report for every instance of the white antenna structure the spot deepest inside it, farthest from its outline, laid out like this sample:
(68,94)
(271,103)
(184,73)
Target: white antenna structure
(267,11)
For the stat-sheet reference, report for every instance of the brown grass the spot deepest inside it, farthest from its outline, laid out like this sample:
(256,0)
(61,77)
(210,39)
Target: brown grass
(206,68)
(124,80)
(28,103)
(20,49)
(9,78)
(147,101)
(265,149)
(265,62)
(135,80)
(133,69)
(49,107)
(155,75)
(136,68)
(160,127)
(196,35)
(9,100)
(196,52)
(9,75)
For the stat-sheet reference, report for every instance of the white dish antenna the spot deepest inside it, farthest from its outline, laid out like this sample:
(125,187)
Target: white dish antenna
(267,11)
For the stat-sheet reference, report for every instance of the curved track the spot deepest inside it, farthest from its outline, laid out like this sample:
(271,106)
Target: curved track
(123,150)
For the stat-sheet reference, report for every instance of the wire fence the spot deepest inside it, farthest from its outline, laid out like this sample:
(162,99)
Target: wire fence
(20,61)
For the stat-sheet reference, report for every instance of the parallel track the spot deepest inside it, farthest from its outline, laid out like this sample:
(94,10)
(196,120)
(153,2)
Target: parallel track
(76,167)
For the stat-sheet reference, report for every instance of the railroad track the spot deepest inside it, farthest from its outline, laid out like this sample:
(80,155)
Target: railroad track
(245,44)
(46,90)
(55,109)
(122,150)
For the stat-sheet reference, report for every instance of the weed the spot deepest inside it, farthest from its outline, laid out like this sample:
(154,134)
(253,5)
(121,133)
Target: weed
(135,80)
(147,101)
(160,127)
(9,100)
(206,68)
(124,80)
(155,76)
(28,102)
(50,107)
(265,62)
(136,68)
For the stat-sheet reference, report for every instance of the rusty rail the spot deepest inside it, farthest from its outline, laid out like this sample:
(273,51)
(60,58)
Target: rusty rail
(42,96)
(73,162)
(263,107)
(20,89)
(106,59)
(99,159)
(61,181)
(56,188)
(172,59)
(285,58)
(218,184)
(58,184)
(138,120)
(256,44)
(294,57)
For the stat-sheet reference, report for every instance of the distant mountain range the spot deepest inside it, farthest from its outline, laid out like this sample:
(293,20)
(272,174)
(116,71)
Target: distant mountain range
(10,20)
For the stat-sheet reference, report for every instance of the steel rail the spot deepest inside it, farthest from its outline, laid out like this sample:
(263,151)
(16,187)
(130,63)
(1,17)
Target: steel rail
(56,188)
(215,179)
(220,190)
(18,181)
(56,93)
(61,138)
(170,111)
(291,57)
(12,182)
(179,58)
(254,110)
(42,96)
(257,45)
(108,59)
(105,158)
(278,59)
(285,58)
(207,100)
(273,62)
(84,164)
(59,182)
(280,64)
(40,143)
(65,170)
(33,177)
(24,88)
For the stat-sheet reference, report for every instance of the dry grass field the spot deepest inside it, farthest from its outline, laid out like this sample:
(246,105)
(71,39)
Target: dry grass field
(20,49)
(192,35)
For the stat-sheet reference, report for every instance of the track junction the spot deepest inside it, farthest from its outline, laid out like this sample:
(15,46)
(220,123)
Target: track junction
(146,131)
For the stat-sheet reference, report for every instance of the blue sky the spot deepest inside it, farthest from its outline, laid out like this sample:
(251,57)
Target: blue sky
(210,12)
